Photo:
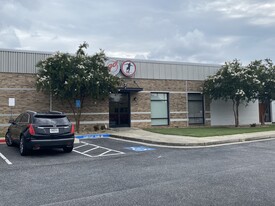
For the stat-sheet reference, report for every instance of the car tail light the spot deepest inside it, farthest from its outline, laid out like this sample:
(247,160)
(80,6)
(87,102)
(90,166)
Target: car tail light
(72,129)
(31,130)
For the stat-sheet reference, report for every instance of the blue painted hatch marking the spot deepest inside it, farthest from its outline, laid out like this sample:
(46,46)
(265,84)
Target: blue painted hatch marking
(140,149)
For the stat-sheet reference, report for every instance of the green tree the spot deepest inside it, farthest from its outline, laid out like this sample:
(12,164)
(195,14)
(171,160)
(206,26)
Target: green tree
(76,77)
(264,84)
(232,82)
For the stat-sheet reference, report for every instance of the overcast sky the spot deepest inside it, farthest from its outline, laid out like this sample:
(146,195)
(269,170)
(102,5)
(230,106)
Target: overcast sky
(206,31)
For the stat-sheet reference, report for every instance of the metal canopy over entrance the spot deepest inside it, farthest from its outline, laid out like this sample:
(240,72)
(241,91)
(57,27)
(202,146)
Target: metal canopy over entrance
(130,89)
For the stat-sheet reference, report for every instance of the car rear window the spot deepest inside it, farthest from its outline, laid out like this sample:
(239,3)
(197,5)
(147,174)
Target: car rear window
(51,120)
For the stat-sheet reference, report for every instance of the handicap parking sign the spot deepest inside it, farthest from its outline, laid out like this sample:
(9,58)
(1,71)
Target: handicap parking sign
(77,103)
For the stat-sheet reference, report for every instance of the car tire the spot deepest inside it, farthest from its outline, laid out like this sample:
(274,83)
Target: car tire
(8,140)
(68,149)
(22,147)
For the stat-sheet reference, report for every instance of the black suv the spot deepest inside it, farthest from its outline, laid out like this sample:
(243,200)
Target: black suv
(33,130)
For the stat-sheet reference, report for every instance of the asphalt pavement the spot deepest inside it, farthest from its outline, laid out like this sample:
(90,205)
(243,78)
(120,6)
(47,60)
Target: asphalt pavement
(236,174)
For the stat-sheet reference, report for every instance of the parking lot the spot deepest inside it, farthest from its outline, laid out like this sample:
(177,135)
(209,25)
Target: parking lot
(108,171)
(86,149)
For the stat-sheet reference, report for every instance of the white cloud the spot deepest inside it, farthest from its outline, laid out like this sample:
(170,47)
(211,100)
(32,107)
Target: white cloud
(192,46)
(9,39)
(201,31)
(256,12)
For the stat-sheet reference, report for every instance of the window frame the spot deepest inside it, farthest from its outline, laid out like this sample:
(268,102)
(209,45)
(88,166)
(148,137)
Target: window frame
(201,100)
(167,104)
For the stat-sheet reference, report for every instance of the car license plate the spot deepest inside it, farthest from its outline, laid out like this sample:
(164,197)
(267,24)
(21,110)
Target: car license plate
(53,131)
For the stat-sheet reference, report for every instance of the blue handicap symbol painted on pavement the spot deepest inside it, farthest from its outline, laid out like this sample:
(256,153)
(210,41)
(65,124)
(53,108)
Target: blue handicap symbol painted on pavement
(140,149)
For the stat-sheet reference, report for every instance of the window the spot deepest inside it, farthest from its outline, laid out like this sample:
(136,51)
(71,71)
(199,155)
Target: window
(159,109)
(195,109)
(51,120)
(18,119)
(25,118)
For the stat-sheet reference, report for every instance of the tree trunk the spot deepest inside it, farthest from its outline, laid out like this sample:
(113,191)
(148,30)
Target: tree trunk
(77,113)
(77,119)
(262,113)
(236,104)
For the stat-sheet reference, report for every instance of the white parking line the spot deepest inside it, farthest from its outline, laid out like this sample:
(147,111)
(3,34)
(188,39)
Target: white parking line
(81,146)
(105,153)
(91,149)
(4,158)
(104,148)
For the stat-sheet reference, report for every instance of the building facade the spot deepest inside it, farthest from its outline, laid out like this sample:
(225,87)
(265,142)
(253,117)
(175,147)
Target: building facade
(153,93)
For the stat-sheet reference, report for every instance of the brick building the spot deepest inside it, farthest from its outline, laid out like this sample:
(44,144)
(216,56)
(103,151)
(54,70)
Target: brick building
(154,93)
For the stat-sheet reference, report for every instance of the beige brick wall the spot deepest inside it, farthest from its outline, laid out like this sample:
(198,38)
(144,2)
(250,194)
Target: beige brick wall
(194,86)
(22,88)
(157,85)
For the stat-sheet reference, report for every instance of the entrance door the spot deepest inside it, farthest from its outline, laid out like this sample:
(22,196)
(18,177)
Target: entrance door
(265,111)
(119,110)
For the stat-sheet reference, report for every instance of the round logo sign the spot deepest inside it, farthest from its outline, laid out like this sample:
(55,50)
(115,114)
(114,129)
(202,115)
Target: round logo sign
(128,68)
(113,67)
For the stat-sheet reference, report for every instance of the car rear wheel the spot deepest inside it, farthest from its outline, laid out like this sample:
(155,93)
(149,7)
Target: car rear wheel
(22,147)
(67,149)
(8,139)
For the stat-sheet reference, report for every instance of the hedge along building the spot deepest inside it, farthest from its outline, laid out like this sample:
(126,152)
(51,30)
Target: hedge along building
(153,93)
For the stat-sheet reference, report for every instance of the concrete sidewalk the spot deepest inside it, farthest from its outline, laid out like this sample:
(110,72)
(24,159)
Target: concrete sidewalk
(140,135)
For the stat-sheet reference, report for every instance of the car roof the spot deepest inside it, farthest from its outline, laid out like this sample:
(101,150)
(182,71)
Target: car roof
(46,114)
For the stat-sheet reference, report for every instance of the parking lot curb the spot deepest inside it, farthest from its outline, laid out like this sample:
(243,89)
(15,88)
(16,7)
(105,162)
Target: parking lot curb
(200,144)
(2,140)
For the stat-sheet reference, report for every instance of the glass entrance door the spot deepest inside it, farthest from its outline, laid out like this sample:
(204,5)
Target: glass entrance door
(119,110)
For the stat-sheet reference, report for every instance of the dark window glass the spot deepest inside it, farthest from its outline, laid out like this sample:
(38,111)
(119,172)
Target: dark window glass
(18,119)
(195,109)
(119,110)
(25,118)
(50,121)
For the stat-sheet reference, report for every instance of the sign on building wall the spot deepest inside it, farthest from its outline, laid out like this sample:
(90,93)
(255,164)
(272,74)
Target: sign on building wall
(113,67)
(127,68)
(11,102)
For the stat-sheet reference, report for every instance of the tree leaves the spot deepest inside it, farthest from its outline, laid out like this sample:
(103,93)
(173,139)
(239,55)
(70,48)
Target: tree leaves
(242,84)
(76,77)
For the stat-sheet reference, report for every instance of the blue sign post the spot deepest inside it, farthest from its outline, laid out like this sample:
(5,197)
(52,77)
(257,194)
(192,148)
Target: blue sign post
(77,103)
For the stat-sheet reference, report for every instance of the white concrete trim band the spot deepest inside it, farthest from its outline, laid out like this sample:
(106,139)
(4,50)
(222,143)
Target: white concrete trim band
(170,92)
(17,89)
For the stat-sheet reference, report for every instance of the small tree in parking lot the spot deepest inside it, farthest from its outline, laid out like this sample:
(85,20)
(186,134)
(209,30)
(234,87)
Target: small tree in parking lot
(76,77)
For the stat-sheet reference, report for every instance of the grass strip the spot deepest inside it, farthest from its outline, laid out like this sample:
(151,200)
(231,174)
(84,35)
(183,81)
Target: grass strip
(210,131)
